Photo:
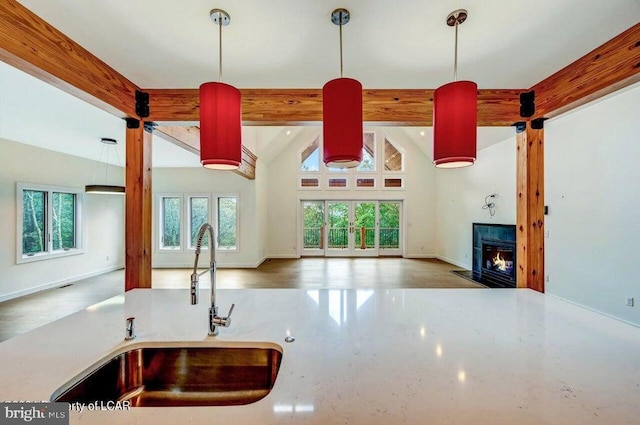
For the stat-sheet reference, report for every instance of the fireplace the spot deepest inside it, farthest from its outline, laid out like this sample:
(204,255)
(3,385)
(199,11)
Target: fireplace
(494,255)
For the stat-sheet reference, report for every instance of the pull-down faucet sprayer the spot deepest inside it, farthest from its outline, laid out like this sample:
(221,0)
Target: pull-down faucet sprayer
(214,320)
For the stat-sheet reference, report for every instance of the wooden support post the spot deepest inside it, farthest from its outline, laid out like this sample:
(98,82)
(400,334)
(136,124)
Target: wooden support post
(530,205)
(138,206)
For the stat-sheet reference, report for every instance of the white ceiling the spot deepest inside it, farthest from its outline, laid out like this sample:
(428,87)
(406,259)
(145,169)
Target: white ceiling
(293,44)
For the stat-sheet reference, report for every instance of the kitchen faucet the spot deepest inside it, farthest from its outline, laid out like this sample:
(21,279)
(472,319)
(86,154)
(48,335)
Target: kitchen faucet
(214,320)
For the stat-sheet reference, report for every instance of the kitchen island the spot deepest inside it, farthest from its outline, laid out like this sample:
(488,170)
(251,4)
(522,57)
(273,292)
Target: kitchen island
(397,356)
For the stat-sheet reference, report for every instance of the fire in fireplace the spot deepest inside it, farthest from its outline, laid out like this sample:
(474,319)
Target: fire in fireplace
(498,261)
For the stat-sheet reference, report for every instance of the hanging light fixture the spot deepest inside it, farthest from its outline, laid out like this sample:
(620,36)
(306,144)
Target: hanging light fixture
(455,114)
(105,189)
(220,115)
(342,113)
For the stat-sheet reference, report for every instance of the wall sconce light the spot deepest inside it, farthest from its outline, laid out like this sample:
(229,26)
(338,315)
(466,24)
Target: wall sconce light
(106,188)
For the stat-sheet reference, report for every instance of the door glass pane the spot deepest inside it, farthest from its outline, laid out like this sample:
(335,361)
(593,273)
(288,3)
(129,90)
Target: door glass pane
(170,238)
(227,223)
(365,225)
(313,224)
(338,225)
(34,208)
(390,225)
(198,215)
(63,219)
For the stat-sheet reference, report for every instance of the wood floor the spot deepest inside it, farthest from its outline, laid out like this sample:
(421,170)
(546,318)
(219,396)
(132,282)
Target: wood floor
(29,312)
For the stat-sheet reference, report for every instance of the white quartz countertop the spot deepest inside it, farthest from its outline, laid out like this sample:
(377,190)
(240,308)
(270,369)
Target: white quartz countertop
(397,356)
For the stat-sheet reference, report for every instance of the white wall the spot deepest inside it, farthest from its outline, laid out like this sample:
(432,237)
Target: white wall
(201,180)
(283,197)
(461,194)
(104,219)
(593,194)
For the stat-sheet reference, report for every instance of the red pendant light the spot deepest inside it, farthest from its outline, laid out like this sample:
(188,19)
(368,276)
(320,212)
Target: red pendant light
(220,116)
(342,113)
(455,115)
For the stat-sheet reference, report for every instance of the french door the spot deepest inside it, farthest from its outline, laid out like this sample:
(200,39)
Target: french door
(351,228)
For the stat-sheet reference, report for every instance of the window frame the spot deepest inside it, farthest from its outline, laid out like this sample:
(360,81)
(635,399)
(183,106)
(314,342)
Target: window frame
(185,220)
(79,226)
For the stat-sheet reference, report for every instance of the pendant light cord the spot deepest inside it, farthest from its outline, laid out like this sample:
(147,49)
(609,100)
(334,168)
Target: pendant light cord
(340,44)
(455,56)
(106,149)
(220,47)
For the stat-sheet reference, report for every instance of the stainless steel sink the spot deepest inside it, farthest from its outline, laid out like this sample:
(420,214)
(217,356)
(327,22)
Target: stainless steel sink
(178,375)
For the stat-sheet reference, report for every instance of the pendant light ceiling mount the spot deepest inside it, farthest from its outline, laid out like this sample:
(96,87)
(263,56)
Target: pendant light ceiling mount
(342,113)
(220,114)
(457,16)
(220,16)
(455,113)
(340,17)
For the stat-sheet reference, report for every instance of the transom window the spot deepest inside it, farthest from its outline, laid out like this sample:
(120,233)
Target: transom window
(310,157)
(381,168)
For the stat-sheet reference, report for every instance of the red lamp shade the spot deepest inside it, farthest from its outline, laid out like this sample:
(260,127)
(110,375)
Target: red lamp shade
(220,126)
(455,117)
(342,123)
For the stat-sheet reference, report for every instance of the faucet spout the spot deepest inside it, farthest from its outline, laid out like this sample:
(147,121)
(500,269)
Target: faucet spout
(215,321)
(206,227)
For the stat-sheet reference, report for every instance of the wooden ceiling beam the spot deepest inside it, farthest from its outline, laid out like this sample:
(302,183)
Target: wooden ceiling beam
(32,45)
(410,107)
(610,67)
(189,138)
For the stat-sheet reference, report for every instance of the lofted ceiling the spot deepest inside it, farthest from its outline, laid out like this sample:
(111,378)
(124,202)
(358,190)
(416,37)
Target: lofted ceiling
(293,44)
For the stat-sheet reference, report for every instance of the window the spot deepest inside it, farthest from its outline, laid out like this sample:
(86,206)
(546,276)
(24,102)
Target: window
(170,222)
(227,223)
(310,157)
(368,153)
(198,215)
(180,216)
(392,157)
(49,222)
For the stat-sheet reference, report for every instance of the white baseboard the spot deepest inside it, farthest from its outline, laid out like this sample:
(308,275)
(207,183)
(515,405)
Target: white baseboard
(290,256)
(419,256)
(56,283)
(455,263)
(637,325)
